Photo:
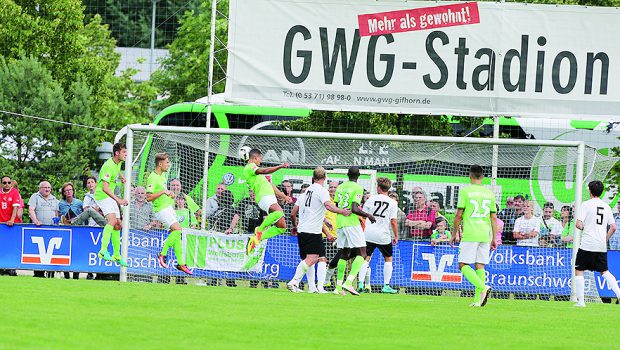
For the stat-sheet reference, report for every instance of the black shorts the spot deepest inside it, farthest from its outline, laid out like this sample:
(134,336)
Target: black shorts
(385,249)
(591,261)
(310,243)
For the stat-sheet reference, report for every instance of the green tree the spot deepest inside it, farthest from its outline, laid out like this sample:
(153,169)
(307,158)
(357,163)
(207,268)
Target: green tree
(184,75)
(33,150)
(130,20)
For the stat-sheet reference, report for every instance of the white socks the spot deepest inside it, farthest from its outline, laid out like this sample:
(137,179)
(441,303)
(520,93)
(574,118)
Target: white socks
(579,289)
(612,283)
(311,279)
(321,272)
(299,272)
(387,273)
(362,274)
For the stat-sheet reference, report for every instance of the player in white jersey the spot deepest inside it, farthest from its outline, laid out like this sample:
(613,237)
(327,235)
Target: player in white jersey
(382,234)
(597,225)
(311,206)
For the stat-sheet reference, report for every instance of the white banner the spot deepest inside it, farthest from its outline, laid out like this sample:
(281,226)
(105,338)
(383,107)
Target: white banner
(221,252)
(480,59)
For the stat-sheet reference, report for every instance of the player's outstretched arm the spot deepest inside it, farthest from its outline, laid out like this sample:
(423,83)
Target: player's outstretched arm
(355,208)
(153,196)
(106,190)
(394,223)
(334,209)
(271,170)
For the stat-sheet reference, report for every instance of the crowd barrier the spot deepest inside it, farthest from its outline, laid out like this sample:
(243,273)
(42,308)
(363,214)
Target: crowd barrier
(417,265)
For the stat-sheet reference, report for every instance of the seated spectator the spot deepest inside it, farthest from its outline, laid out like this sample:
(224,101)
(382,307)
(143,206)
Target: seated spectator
(551,228)
(434,205)
(421,218)
(251,214)
(69,207)
(614,240)
(142,217)
(440,234)
(401,217)
(184,215)
(509,216)
(568,225)
(176,187)
(527,227)
(500,228)
(226,218)
(90,213)
(43,210)
(20,211)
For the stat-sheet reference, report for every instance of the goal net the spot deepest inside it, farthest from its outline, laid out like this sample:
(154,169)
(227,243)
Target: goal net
(542,177)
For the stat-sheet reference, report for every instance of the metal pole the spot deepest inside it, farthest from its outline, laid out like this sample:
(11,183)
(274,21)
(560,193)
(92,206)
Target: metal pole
(579,181)
(152,54)
(205,175)
(495,154)
(127,195)
(345,136)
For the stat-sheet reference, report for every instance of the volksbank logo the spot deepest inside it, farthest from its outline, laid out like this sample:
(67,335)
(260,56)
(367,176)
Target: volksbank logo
(430,271)
(42,246)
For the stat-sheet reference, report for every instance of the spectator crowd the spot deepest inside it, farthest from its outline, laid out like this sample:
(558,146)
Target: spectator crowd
(419,217)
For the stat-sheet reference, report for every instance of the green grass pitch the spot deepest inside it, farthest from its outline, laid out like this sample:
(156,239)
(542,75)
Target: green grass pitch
(69,314)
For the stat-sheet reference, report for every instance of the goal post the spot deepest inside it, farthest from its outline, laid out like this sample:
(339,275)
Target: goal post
(541,170)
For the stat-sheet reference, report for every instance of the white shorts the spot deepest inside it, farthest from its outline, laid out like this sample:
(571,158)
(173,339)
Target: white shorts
(108,206)
(266,202)
(166,216)
(350,237)
(474,252)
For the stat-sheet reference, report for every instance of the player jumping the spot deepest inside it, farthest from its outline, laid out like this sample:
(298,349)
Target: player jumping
(266,194)
(109,204)
(163,208)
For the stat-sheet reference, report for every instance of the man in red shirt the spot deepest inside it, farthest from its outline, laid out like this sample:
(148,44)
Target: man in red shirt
(9,202)
(421,219)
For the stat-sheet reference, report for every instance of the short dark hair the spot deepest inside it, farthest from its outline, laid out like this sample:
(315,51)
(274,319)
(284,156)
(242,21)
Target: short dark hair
(353,173)
(118,147)
(255,152)
(549,205)
(519,196)
(569,209)
(596,188)
(8,177)
(476,171)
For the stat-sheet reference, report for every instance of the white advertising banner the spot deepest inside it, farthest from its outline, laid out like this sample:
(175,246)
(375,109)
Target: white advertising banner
(220,252)
(465,58)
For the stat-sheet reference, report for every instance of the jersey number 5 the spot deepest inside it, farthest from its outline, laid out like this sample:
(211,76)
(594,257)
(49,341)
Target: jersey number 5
(484,206)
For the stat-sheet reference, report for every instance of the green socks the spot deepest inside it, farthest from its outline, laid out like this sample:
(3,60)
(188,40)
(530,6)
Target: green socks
(342,266)
(271,219)
(271,232)
(482,276)
(105,238)
(174,241)
(472,277)
(356,265)
(116,243)
(178,248)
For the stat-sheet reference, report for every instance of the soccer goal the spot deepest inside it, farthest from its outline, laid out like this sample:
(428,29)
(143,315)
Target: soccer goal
(426,172)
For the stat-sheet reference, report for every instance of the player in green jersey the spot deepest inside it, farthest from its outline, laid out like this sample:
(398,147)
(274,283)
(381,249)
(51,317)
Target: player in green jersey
(163,208)
(350,234)
(476,209)
(274,224)
(109,203)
